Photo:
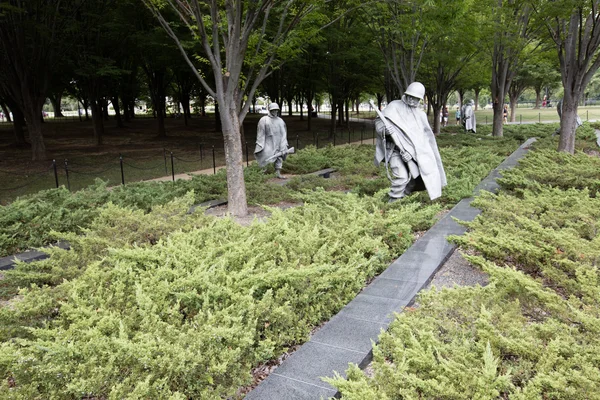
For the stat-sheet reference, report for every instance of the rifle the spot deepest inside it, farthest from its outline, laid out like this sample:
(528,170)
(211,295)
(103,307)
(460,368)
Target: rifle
(393,131)
(274,157)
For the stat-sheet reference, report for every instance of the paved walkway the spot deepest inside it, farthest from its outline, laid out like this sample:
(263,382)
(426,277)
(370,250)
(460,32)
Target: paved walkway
(347,337)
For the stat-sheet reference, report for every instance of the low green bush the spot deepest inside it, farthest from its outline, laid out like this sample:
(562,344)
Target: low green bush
(188,316)
(533,332)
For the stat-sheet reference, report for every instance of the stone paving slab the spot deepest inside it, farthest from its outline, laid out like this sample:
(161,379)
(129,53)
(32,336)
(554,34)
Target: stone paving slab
(346,338)
(28,256)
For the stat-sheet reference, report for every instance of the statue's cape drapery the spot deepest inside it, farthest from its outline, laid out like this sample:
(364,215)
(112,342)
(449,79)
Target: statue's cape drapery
(420,143)
(470,123)
(271,138)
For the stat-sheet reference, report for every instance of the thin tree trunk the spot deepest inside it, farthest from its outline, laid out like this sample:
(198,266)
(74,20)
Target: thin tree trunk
(98,120)
(538,96)
(6,112)
(513,108)
(497,119)
(568,122)
(126,111)
(56,101)
(18,126)
(236,187)
(115,103)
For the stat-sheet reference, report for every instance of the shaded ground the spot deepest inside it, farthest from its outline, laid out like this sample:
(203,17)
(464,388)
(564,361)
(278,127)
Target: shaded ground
(144,155)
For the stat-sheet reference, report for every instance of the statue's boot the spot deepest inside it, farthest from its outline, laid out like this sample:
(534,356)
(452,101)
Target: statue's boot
(278,174)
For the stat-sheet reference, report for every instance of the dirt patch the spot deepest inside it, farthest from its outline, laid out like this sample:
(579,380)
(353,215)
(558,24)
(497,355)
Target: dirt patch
(254,212)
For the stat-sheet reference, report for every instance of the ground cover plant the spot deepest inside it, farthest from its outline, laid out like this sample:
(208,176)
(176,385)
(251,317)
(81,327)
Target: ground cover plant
(184,305)
(533,331)
(28,221)
(190,315)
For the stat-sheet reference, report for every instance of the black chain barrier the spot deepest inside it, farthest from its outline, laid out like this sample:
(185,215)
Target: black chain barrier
(90,172)
(95,164)
(141,168)
(184,160)
(38,176)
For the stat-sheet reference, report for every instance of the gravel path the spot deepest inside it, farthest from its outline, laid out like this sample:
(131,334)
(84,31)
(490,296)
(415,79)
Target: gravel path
(458,271)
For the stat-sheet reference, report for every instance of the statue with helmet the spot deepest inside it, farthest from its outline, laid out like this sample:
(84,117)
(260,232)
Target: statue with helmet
(271,140)
(407,144)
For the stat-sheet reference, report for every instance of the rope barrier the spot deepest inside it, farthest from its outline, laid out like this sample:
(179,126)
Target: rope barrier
(91,173)
(2,189)
(142,168)
(112,160)
(184,160)
(26,173)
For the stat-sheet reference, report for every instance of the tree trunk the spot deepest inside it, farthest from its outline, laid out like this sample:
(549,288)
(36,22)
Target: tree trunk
(538,96)
(126,110)
(436,118)
(218,123)
(33,112)
(333,117)
(236,187)
(56,101)
(115,103)
(497,119)
(160,118)
(98,120)
(104,104)
(568,122)
(6,112)
(513,107)
(477,91)
(289,101)
(18,126)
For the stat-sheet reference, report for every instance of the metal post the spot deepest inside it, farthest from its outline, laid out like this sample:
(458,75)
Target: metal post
(55,172)
(172,167)
(214,161)
(165,157)
(67,173)
(247,160)
(122,174)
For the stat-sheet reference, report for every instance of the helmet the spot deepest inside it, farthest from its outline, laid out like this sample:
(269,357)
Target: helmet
(416,89)
(273,106)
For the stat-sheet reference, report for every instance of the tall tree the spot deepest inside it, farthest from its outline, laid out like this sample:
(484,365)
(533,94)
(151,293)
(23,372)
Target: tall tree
(240,40)
(506,23)
(34,35)
(574,26)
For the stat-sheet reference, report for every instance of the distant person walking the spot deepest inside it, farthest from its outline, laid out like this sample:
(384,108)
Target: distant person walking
(445,114)
(457,116)
(505,114)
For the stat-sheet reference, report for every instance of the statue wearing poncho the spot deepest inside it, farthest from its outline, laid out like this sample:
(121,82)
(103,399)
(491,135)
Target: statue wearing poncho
(414,133)
(271,138)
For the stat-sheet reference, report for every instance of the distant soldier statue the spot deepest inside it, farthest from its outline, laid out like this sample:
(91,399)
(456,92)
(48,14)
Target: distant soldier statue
(407,144)
(469,121)
(271,140)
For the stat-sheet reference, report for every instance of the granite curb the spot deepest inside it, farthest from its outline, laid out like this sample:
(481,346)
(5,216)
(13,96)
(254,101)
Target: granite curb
(348,336)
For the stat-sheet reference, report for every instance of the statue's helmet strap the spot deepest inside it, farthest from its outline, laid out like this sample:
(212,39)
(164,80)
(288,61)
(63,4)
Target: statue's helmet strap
(416,89)
(273,106)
